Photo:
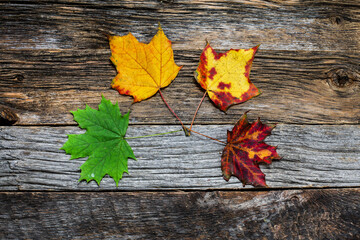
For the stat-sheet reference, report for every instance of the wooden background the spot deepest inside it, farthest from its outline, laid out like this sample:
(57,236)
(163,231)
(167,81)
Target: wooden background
(54,58)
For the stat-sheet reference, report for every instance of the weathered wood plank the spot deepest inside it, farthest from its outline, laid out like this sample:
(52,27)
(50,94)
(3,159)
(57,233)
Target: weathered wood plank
(290,214)
(41,87)
(290,25)
(313,155)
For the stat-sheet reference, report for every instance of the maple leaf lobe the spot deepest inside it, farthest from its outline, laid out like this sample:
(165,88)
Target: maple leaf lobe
(103,142)
(245,150)
(225,76)
(142,68)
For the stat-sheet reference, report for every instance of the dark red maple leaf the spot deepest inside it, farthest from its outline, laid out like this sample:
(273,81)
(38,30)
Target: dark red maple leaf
(245,150)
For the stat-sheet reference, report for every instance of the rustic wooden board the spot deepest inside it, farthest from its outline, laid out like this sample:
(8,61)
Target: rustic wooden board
(41,87)
(290,214)
(290,25)
(54,57)
(313,155)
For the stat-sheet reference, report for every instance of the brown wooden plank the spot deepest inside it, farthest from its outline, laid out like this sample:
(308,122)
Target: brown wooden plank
(312,155)
(41,87)
(289,25)
(289,214)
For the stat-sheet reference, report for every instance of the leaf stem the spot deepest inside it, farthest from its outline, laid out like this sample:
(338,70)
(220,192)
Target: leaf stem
(192,122)
(187,130)
(172,111)
(208,137)
(152,135)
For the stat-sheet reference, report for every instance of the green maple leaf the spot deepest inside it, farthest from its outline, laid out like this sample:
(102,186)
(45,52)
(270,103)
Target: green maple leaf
(103,142)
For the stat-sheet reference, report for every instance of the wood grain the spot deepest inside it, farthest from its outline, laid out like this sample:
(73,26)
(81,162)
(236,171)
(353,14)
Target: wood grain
(278,25)
(290,214)
(313,155)
(54,58)
(42,87)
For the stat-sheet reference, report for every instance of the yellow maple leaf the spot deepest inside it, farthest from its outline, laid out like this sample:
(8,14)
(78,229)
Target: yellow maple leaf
(142,68)
(225,76)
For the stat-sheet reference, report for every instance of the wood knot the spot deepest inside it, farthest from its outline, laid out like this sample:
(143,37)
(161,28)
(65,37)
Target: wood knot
(19,77)
(343,80)
(7,117)
(294,199)
(340,78)
(337,20)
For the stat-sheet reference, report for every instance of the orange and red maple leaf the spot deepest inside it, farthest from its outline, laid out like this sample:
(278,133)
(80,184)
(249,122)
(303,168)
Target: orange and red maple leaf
(245,150)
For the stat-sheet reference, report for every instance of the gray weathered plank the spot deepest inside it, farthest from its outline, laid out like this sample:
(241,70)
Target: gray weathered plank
(290,214)
(41,87)
(290,25)
(313,155)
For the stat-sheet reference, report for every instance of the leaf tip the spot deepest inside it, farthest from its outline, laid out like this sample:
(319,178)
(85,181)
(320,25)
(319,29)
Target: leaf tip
(258,92)
(109,36)
(74,112)
(255,48)
(136,99)
(226,178)
(96,180)
(272,126)
(127,115)
(244,117)
(207,43)
(118,178)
